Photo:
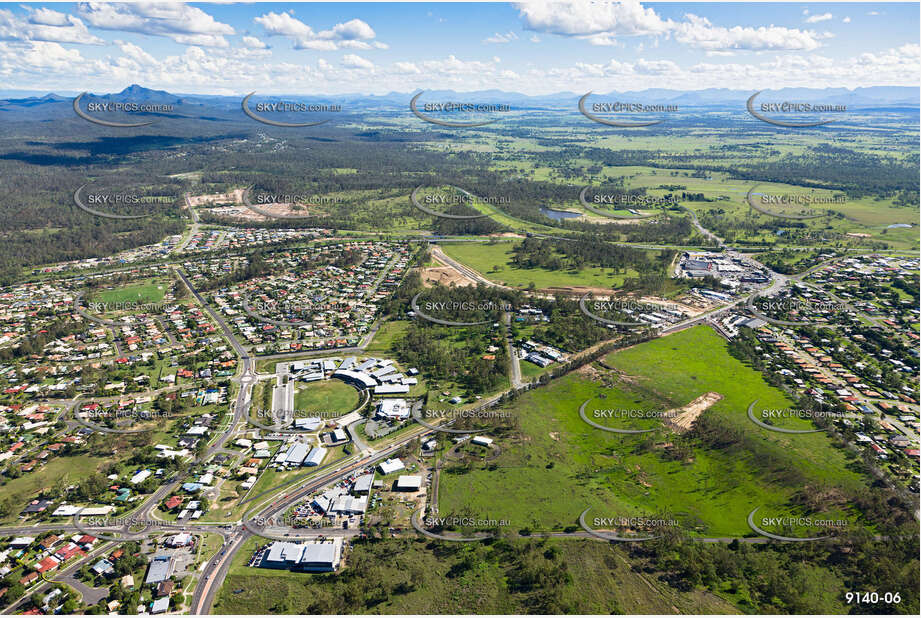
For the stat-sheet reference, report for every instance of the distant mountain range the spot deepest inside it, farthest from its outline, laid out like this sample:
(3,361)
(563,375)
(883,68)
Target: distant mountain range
(876,96)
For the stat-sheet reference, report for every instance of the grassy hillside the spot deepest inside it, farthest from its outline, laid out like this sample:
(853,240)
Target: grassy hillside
(558,465)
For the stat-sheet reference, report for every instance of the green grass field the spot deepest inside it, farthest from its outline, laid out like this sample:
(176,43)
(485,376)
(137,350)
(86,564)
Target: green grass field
(148,292)
(385,336)
(20,490)
(492,260)
(412,576)
(559,465)
(326,396)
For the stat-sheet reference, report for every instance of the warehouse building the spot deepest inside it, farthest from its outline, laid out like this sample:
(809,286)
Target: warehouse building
(311,557)
(161,568)
(362,485)
(389,466)
(409,483)
(315,456)
(296,454)
(349,505)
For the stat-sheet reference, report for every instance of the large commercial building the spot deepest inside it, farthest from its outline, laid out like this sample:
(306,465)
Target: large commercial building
(312,557)
(315,456)
(161,567)
(409,482)
(296,454)
(362,485)
(389,466)
(392,409)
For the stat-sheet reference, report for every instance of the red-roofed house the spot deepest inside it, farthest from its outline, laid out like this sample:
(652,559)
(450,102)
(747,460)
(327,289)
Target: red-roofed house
(87,539)
(47,564)
(68,551)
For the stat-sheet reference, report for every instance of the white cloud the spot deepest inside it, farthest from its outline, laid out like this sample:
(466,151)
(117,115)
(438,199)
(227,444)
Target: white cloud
(590,18)
(252,42)
(846,20)
(602,23)
(39,57)
(700,33)
(353,61)
(47,17)
(48,65)
(284,25)
(656,67)
(182,23)
(135,53)
(407,68)
(351,30)
(814,19)
(534,38)
(45,25)
(353,34)
(497,38)
(604,40)
(453,66)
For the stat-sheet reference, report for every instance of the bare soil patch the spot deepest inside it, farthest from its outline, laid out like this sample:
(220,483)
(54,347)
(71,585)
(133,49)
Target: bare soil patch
(680,420)
(444,275)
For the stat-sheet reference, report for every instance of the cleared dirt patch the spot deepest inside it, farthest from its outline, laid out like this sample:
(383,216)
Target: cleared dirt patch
(231,197)
(443,275)
(682,419)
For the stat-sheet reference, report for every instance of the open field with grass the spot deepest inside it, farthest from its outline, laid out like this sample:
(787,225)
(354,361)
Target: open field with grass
(708,491)
(385,336)
(144,292)
(493,261)
(20,490)
(412,576)
(325,396)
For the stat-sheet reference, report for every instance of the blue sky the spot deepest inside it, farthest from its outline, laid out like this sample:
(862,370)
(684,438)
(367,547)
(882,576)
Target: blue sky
(532,47)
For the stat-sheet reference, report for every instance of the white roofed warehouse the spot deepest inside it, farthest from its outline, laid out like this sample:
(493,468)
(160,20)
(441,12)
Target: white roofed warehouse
(310,557)
(408,482)
(389,466)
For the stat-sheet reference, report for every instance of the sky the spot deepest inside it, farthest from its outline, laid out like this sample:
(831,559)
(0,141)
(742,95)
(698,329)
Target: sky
(531,47)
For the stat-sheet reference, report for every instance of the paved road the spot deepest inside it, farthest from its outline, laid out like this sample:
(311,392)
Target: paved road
(704,231)
(91,596)
(514,361)
(216,570)
(195,224)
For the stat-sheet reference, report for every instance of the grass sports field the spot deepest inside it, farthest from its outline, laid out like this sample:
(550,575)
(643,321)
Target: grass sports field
(559,465)
(326,396)
(147,292)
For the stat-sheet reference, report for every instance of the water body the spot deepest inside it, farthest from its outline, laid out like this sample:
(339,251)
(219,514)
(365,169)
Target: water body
(559,215)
